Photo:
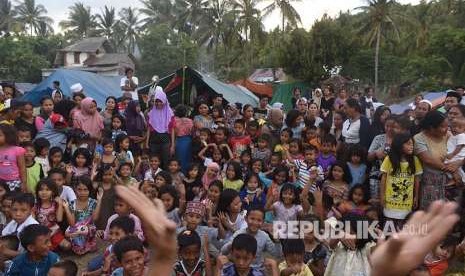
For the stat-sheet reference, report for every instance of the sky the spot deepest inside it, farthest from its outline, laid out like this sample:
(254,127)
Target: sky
(310,10)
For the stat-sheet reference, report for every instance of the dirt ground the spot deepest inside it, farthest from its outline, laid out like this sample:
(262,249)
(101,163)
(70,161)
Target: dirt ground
(82,261)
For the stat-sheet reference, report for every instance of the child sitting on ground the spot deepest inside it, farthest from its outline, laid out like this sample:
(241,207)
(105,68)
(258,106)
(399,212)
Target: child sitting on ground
(63,268)
(437,261)
(38,259)
(190,263)
(294,251)
(130,254)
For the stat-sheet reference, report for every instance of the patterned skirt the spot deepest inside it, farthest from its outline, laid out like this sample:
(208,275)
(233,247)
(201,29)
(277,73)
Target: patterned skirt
(432,187)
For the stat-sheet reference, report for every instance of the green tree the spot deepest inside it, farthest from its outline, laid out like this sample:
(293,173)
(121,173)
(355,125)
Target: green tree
(157,12)
(379,19)
(80,21)
(33,16)
(7,17)
(106,21)
(288,12)
(249,16)
(130,24)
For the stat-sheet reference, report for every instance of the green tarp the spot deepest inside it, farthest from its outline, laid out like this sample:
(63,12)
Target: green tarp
(282,93)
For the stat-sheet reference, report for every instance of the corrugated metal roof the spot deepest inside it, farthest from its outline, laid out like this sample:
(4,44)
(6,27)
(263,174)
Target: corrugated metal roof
(108,59)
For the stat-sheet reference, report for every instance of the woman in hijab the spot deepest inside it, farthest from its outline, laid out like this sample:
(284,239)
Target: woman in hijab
(57,96)
(161,122)
(135,126)
(88,119)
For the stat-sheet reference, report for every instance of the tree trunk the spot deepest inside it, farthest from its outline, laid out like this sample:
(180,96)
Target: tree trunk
(378,40)
(283,23)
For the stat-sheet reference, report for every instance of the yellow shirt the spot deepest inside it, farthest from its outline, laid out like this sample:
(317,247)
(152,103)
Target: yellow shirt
(236,184)
(304,272)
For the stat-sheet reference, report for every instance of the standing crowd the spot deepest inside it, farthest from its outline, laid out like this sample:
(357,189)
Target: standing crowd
(74,177)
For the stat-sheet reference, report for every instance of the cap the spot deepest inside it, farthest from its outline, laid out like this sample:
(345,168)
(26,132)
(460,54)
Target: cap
(195,207)
(428,102)
(277,105)
(77,87)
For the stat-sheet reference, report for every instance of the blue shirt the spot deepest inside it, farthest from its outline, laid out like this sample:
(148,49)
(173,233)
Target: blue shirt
(358,173)
(23,266)
(230,270)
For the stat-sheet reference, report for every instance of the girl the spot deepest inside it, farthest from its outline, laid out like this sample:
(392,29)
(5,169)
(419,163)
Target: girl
(218,117)
(117,126)
(357,203)
(212,199)
(149,189)
(81,215)
(123,154)
(285,205)
(284,139)
(230,212)
(356,164)
(27,120)
(89,120)
(337,183)
(108,156)
(193,184)
(105,184)
(211,174)
(174,202)
(252,193)
(246,157)
(200,144)
(46,109)
(80,164)
(42,146)
(12,164)
(125,178)
(135,126)
(49,212)
(162,179)
(182,137)
(294,152)
(109,111)
(233,179)
(55,158)
(203,119)
(400,179)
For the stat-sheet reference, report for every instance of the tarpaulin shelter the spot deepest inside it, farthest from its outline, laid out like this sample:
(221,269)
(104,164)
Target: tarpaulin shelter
(96,86)
(282,93)
(186,85)
(260,89)
(436,98)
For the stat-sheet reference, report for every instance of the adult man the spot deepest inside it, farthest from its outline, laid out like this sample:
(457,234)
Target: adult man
(461,91)
(261,111)
(129,84)
(452,98)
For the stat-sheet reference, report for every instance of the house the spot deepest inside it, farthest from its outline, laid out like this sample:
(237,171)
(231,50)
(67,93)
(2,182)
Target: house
(93,54)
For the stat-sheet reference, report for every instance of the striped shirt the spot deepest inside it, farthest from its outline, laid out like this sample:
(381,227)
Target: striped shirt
(303,172)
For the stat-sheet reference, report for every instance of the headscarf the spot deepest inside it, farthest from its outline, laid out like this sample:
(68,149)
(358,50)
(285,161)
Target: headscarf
(160,119)
(56,91)
(135,123)
(89,123)
(207,180)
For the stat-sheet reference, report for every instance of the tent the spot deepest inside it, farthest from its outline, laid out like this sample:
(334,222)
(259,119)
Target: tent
(187,84)
(436,98)
(95,86)
(282,93)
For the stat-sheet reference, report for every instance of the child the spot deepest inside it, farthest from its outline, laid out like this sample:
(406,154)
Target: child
(106,181)
(49,211)
(356,164)
(200,142)
(117,127)
(400,179)
(3,215)
(12,167)
(80,164)
(63,268)
(122,209)
(42,146)
(253,193)
(38,258)
(294,152)
(326,157)
(149,189)
(33,169)
(163,178)
(240,140)
(255,218)
(21,213)
(155,162)
(193,184)
(189,249)
(213,198)
(288,206)
(246,158)
(124,173)
(46,109)
(129,252)
(81,215)
(337,183)
(7,201)
(294,251)
(437,261)
(142,166)
(305,166)
(456,149)
(357,203)
(174,169)
(230,212)
(108,155)
(123,154)
(24,134)
(262,152)
(211,174)
(58,176)
(243,252)
(284,139)
(233,179)
(315,251)
(310,137)
(174,201)
(55,158)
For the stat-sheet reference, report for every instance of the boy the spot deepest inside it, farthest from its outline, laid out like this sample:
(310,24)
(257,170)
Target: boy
(63,268)
(190,263)
(24,134)
(122,209)
(326,157)
(243,251)
(130,253)
(7,201)
(33,168)
(254,218)
(58,176)
(263,151)
(42,147)
(294,250)
(174,169)
(38,259)
(239,141)
(21,213)
(11,110)
(154,168)
(308,164)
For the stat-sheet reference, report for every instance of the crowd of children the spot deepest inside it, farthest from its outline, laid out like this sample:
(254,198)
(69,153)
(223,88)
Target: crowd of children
(226,176)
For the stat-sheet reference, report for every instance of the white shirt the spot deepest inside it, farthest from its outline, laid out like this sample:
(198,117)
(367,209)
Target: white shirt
(125,80)
(351,131)
(13,227)
(68,194)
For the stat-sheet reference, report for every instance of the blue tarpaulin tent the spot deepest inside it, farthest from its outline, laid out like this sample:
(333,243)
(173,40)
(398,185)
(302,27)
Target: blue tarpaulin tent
(95,86)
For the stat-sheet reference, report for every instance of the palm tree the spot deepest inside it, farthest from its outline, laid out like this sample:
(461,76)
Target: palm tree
(7,17)
(288,12)
(379,19)
(248,15)
(157,12)
(423,19)
(190,14)
(212,25)
(80,20)
(130,24)
(106,21)
(32,15)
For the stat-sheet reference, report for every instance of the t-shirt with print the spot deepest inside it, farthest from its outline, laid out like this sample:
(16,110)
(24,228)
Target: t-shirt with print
(9,170)
(239,144)
(47,216)
(284,214)
(399,188)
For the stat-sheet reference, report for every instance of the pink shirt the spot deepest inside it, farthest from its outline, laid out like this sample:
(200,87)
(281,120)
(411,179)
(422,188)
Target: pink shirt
(183,126)
(9,169)
(137,226)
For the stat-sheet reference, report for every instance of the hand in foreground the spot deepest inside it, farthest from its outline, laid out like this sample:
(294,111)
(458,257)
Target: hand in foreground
(158,229)
(407,249)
